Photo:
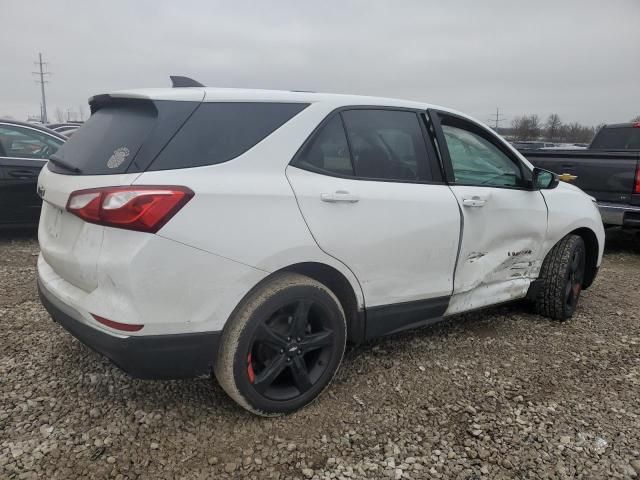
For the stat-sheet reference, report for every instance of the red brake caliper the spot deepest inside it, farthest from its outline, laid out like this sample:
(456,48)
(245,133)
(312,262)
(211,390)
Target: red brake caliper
(252,375)
(576,289)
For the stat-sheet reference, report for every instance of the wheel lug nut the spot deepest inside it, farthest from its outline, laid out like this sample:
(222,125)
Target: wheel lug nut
(288,339)
(298,339)
(299,352)
(282,350)
(288,359)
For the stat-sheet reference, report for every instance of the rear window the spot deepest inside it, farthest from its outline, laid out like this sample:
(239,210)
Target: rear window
(109,141)
(617,138)
(218,132)
(132,136)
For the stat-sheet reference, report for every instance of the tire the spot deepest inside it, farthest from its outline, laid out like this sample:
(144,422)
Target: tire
(562,274)
(282,345)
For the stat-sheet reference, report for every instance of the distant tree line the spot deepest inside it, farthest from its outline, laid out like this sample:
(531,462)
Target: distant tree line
(530,127)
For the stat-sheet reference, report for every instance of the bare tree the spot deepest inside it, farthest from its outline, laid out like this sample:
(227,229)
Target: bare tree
(636,119)
(59,115)
(553,127)
(526,127)
(534,125)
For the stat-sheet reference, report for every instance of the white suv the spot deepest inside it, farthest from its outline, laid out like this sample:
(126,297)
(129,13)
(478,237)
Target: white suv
(254,233)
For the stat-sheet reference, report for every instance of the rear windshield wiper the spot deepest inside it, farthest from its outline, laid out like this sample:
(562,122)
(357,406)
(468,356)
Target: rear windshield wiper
(62,164)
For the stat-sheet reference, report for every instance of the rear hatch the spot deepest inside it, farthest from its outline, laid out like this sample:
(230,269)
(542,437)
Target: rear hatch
(124,137)
(69,244)
(116,144)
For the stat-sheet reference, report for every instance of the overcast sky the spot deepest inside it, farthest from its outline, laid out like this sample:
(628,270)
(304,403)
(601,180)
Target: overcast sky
(579,58)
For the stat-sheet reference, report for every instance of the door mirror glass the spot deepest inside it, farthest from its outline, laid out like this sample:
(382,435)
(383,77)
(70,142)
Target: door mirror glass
(544,179)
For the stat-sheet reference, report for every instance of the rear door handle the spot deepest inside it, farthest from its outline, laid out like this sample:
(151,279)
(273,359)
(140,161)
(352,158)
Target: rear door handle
(474,201)
(339,196)
(21,174)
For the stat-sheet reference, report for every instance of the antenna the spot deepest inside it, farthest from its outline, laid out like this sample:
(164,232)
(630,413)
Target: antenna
(41,81)
(178,81)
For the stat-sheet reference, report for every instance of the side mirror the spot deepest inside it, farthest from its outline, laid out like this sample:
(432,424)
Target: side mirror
(544,179)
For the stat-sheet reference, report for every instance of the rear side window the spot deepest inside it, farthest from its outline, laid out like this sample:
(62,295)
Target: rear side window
(617,138)
(218,132)
(328,151)
(387,144)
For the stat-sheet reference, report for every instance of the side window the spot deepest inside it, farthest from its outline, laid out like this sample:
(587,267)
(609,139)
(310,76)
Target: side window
(219,131)
(23,142)
(477,161)
(387,144)
(328,151)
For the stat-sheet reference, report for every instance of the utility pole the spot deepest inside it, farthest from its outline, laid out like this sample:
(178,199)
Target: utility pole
(499,118)
(41,73)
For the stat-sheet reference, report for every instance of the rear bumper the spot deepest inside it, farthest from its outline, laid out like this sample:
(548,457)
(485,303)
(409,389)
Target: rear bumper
(620,214)
(150,357)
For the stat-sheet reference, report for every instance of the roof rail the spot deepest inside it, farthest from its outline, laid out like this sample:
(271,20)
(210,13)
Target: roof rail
(178,81)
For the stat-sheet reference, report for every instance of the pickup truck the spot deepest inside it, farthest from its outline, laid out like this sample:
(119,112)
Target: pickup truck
(609,170)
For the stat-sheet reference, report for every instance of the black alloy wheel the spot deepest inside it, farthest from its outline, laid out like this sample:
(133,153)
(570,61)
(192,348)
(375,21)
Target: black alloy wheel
(282,346)
(290,350)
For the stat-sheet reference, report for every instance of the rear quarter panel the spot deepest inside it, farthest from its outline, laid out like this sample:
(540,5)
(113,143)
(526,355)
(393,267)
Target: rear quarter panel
(245,209)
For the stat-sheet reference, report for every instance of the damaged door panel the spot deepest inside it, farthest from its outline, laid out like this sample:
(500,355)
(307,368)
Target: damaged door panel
(501,250)
(504,219)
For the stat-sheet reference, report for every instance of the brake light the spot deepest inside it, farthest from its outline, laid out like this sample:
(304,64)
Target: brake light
(141,208)
(637,187)
(636,124)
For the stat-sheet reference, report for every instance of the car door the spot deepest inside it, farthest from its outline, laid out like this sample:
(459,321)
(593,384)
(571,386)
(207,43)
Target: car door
(24,152)
(368,186)
(504,218)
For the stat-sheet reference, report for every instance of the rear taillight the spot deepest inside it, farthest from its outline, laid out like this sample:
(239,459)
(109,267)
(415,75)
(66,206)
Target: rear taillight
(637,187)
(141,208)
(636,125)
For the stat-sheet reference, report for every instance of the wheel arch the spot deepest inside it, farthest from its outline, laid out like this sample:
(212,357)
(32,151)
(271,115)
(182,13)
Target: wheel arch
(338,283)
(591,258)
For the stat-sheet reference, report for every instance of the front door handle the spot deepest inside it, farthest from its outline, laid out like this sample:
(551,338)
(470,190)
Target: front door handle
(474,201)
(339,196)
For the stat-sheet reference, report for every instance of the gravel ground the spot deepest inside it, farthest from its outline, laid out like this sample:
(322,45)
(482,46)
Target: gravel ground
(498,394)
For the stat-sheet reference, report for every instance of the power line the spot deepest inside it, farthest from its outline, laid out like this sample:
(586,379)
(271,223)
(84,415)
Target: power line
(41,73)
(497,119)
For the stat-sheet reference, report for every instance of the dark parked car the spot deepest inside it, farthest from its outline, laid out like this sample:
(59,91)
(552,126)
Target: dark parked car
(24,150)
(66,129)
(532,145)
(609,170)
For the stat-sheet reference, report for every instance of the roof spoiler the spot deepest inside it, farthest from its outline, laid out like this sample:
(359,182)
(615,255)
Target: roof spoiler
(178,81)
